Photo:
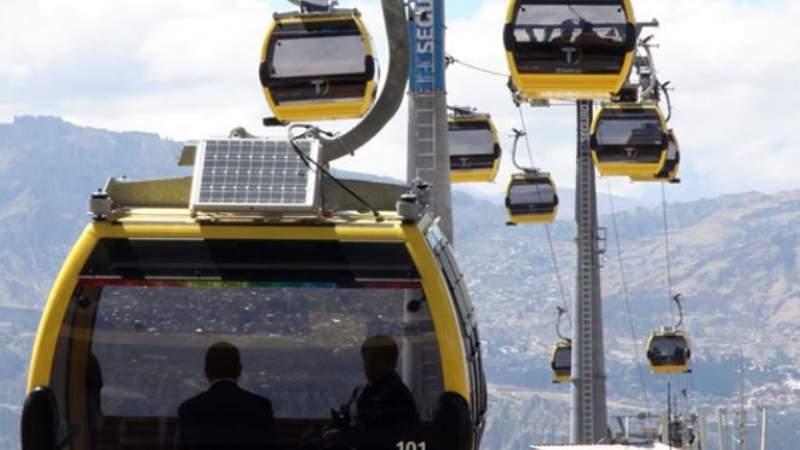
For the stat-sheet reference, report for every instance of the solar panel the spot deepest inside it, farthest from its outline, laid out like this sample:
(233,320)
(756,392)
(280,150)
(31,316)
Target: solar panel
(259,175)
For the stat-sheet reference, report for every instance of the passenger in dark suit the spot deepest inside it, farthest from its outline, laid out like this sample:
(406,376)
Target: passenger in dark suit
(94,388)
(382,412)
(225,417)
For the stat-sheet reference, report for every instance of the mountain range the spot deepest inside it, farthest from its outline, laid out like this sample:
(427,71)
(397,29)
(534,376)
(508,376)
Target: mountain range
(734,258)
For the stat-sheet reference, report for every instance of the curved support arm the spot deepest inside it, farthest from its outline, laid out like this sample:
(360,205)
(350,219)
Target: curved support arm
(394,16)
(518,134)
(677,298)
(561,312)
(306,5)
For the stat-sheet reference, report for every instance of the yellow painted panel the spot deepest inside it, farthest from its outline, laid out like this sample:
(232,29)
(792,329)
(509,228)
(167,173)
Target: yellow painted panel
(448,330)
(44,347)
(534,218)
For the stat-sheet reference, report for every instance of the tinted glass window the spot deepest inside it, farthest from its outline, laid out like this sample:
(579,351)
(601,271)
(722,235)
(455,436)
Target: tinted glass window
(309,56)
(254,260)
(470,139)
(317,49)
(565,22)
(533,194)
(570,37)
(299,347)
(637,129)
(669,350)
(466,313)
(137,371)
(563,358)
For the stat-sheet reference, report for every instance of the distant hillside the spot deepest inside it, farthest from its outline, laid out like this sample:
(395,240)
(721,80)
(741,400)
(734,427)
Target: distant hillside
(735,260)
(566,200)
(48,169)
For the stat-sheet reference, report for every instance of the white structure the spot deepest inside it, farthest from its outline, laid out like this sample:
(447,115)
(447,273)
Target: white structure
(655,446)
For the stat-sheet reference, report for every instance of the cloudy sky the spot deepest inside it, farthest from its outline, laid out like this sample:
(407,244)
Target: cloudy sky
(187,69)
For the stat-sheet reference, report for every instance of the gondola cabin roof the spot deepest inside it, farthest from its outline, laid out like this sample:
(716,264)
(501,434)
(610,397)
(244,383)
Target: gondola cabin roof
(571,50)
(250,180)
(165,203)
(318,66)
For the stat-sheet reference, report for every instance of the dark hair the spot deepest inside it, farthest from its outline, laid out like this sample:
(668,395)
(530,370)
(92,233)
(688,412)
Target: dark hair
(94,374)
(223,361)
(383,344)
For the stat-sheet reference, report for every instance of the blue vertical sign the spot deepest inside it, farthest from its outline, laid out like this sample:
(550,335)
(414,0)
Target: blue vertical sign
(426,39)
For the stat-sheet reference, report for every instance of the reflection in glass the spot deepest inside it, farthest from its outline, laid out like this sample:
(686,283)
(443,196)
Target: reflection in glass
(669,350)
(596,35)
(563,358)
(311,57)
(534,197)
(300,347)
(629,131)
(470,139)
(567,22)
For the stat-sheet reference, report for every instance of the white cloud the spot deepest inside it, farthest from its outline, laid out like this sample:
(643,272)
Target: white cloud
(188,69)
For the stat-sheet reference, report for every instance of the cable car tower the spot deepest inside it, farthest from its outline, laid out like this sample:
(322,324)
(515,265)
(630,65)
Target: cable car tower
(581,52)
(589,413)
(428,151)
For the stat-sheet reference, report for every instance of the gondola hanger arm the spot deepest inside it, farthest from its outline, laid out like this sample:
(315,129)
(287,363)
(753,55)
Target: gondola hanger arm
(519,134)
(561,313)
(642,25)
(678,299)
(387,105)
(314,6)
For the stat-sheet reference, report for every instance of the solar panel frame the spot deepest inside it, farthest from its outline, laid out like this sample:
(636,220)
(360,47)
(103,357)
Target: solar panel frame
(255,175)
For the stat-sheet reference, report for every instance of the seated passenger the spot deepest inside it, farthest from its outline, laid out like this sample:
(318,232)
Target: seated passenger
(94,387)
(567,31)
(225,416)
(382,412)
(678,355)
(589,36)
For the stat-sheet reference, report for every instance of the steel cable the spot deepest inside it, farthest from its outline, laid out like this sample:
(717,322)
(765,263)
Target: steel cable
(626,296)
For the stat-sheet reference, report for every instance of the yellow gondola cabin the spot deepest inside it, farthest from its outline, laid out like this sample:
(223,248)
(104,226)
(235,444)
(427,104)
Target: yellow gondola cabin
(669,351)
(531,197)
(569,49)
(165,273)
(474,148)
(629,140)
(318,66)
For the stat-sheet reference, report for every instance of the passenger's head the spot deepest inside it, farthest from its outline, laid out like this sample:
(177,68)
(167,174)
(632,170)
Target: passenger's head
(380,355)
(223,361)
(567,28)
(94,374)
